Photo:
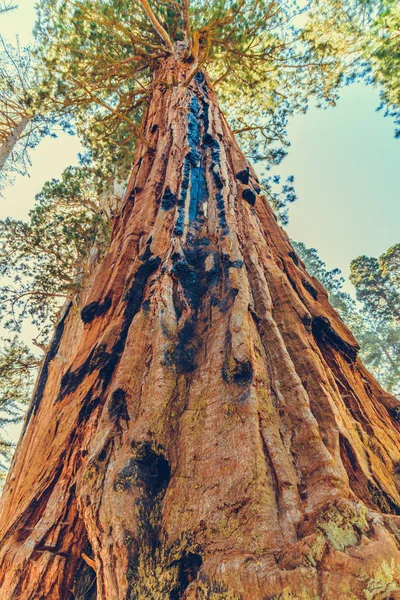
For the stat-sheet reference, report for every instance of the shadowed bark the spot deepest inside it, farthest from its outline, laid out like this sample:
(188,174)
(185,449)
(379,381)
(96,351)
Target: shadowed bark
(202,426)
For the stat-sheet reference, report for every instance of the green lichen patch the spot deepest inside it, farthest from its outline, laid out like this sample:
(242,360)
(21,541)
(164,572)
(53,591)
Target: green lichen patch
(343,525)
(316,550)
(383,583)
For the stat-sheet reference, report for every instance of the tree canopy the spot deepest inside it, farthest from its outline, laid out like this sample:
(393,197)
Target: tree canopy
(99,58)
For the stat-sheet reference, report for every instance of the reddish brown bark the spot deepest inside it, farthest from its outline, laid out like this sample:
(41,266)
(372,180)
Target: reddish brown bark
(202,428)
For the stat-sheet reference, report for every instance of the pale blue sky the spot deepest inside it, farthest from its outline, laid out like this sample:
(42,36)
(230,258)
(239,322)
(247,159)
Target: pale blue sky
(344,159)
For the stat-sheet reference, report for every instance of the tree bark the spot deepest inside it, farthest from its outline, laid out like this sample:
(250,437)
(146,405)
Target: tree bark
(10,142)
(202,427)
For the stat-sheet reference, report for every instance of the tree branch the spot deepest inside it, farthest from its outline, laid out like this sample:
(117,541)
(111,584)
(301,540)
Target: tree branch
(157,25)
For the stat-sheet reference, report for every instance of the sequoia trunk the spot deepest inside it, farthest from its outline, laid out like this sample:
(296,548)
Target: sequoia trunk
(202,426)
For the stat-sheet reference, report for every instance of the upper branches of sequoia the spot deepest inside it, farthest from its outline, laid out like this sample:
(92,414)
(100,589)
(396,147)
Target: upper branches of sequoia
(100,57)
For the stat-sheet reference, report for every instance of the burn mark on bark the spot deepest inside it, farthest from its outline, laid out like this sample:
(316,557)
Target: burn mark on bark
(217,176)
(177,302)
(244,176)
(224,304)
(198,186)
(183,354)
(294,258)
(188,567)
(117,408)
(99,358)
(324,334)
(95,309)
(153,470)
(193,167)
(89,406)
(102,455)
(195,279)
(147,469)
(44,373)
(191,273)
(382,500)
(249,196)
(180,219)
(147,254)
(239,373)
(169,199)
(310,289)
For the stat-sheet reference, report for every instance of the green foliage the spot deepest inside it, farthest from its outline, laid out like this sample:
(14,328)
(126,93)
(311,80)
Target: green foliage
(44,260)
(377,282)
(18,367)
(99,59)
(375,319)
(361,39)
(6,7)
(17,130)
(279,197)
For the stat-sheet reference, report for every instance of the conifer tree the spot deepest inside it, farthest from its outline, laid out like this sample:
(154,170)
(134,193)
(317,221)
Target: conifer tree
(201,426)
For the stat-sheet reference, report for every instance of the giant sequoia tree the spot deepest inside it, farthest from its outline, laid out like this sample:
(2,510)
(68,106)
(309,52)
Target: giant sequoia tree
(201,426)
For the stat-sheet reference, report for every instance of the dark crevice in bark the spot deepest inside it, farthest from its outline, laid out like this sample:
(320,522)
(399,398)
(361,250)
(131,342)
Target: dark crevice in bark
(324,334)
(44,373)
(117,408)
(33,512)
(84,586)
(310,289)
(188,567)
(96,309)
(294,258)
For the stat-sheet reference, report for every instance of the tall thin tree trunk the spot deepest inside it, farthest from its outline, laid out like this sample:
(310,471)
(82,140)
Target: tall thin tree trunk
(10,142)
(202,427)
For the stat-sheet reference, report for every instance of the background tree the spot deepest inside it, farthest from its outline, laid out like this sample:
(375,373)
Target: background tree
(20,125)
(361,38)
(372,320)
(6,6)
(377,283)
(44,260)
(18,369)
